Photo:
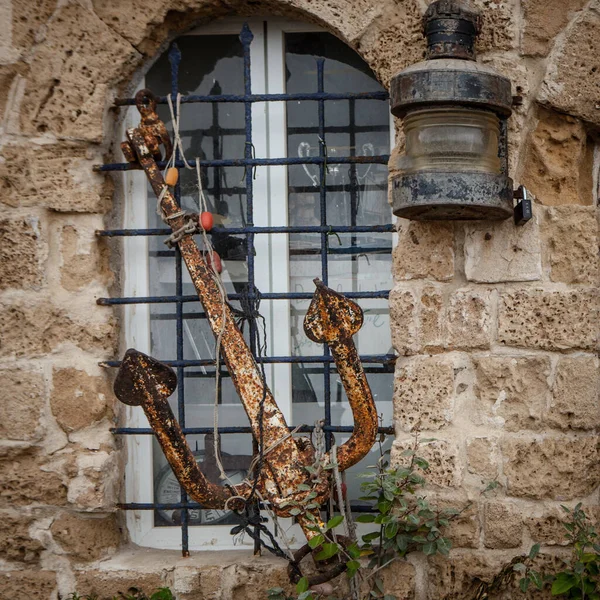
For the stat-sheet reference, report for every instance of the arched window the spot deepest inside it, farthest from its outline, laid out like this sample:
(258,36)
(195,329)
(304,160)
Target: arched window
(341,197)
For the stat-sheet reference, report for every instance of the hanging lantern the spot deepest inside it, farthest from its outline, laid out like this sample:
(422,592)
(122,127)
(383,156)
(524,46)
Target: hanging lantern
(454,113)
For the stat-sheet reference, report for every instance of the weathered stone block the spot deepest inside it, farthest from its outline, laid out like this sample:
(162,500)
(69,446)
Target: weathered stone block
(146,24)
(86,538)
(502,525)
(28,585)
(107,584)
(83,260)
(458,576)
(570,236)
(55,176)
(559,160)
(571,83)
(8,74)
(22,253)
(544,20)
(36,327)
(443,458)
(548,320)
(496,252)
(417,319)
(25,480)
(512,391)
(469,319)
(481,458)
(557,468)
(575,394)
(393,40)
(72,70)
(24,398)
(96,484)
(403,321)
(424,250)
(399,580)
(15,542)
(548,529)
(28,19)
(78,399)
(464,529)
(432,317)
(499,29)
(424,393)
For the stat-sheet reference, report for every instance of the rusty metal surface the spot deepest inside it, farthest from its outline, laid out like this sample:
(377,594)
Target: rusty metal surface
(333,319)
(144,381)
(452,196)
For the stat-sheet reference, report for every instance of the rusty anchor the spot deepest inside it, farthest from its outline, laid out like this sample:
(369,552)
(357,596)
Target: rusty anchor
(284,481)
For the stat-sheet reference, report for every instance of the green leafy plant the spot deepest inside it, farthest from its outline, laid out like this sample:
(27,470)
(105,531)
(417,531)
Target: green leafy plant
(581,577)
(403,520)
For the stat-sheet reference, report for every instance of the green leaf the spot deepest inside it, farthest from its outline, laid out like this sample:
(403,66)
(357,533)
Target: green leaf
(524,584)
(519,568)
(352,567)
(429,548)
(302,585)
(443,546)
(334,522)
(329,550)
(316,541)
(366,518)
(391,529)
(295,511)
(588,557)
(369,537)
(537,579)
(535,550)
(303,487)
(563,583)
(353,550)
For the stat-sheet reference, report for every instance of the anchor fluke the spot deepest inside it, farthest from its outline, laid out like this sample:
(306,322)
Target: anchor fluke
(140,373)
(331,317)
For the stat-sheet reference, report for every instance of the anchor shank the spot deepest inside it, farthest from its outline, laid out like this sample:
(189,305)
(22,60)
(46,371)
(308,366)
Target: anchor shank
(285,459)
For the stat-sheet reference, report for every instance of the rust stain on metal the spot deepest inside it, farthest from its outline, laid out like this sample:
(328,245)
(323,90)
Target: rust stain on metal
(143,381)
(333,319)
(146,382)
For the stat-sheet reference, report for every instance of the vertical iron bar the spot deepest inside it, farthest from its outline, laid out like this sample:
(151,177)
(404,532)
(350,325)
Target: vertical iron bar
(354,264)
(246,38)
(175,60)
(324,238)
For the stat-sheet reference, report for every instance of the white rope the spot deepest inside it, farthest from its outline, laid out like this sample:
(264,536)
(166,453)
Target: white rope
(209,252)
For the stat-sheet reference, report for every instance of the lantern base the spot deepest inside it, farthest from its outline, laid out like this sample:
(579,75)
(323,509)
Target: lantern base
(449,196)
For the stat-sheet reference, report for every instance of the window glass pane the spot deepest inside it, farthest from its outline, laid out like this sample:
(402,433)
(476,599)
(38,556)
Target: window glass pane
(356,194)
(209,65)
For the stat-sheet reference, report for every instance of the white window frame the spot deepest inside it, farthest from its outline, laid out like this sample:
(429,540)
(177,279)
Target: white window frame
(268,76)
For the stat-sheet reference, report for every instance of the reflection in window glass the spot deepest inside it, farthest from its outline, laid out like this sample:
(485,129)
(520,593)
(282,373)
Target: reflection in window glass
(356,195)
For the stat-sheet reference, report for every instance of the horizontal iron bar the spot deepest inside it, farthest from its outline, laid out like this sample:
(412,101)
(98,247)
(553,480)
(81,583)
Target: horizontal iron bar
(205,362)
(384,369)
(381,159)
(194,98)
(245,230)
(266,296)
(349,250)
(362,508)
(241,429)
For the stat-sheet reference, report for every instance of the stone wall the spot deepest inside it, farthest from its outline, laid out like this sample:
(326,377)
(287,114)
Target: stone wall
(496,326)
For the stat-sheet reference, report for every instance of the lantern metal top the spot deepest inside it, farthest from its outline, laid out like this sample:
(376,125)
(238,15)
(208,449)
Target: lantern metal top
(450,75)
(451,27)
